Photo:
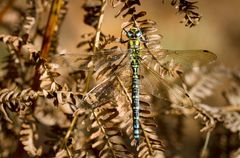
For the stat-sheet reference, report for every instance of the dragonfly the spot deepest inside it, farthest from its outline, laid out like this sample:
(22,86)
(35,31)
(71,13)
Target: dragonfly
(159,66)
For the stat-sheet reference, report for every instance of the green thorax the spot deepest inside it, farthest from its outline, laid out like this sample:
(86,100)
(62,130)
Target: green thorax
(134,48)
(134,39)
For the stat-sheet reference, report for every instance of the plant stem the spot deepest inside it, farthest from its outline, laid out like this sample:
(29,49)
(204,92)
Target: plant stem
(50,28)
(99,25)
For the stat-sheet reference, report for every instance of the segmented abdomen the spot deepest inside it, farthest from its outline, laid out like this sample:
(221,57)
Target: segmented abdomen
(135,101)
(134,47)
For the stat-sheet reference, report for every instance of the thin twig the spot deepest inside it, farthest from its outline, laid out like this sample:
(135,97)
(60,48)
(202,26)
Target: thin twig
(96,42)
(50,28)
(204,150)
(99,25)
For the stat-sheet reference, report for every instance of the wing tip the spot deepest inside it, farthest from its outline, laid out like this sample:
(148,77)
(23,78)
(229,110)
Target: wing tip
(214,56)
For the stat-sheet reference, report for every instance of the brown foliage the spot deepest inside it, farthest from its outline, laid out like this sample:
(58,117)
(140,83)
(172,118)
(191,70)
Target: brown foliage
(78,105)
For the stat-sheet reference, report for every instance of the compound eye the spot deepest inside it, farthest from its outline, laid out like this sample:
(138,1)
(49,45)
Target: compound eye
(129,34)
(139,33)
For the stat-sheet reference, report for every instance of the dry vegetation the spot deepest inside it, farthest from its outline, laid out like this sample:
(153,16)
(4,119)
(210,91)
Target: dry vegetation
(54,105)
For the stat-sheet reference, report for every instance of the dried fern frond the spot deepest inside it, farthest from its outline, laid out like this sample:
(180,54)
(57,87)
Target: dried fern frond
(107,135)
(29,21)
(149,29)
(14,101)
(21,102)
(32,23)
(48,77)
(28,136)
(232,96)
(228,115)
(128,8)
(151,145)
(212,115)
(67,101)
(88,41)
(18,64)
(204,83)
(13,43)
(191,17)
(101,133)
(40,139)
(100,100)
(92,9)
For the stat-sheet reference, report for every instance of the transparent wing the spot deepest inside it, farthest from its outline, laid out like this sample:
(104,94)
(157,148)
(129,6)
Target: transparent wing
(85,70)
(186,59)
(182,60)
(160,70)
(86,60)
(163,88)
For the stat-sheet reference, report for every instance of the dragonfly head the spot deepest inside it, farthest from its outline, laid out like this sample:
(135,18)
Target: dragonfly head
(134,33)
